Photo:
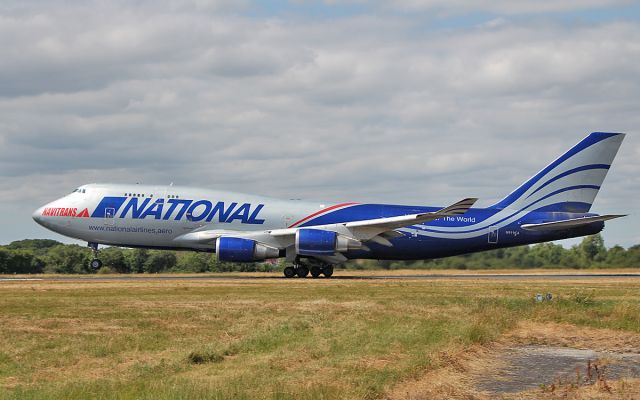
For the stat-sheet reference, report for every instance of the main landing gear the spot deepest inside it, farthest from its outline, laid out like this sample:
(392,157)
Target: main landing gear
(95,264)
(302,270)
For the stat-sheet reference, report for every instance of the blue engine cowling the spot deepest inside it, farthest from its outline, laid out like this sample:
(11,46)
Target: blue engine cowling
(243,250)
(316,242)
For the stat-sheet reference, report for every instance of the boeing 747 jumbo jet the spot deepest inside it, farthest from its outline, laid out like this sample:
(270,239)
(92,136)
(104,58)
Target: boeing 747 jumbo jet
(554,204)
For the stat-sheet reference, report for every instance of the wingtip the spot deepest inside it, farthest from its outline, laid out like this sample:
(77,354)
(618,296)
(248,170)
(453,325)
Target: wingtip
(471,200)
(459,207)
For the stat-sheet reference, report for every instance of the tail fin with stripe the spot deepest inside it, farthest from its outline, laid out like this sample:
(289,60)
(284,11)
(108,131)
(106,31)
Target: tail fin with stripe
(570,183)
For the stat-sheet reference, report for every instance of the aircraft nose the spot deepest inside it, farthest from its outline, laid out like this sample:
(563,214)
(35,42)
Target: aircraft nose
(37,215)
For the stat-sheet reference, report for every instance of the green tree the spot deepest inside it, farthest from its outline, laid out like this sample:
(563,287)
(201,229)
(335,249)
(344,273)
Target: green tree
(519,257)
(114,258)
(193,262)
(38,246)
(633,256)
(5,255)
(33,244)
(616,257)
(593,250)
(547,255)
(159,261)
(68,259)
(136,260)
(213,264)
(19,262)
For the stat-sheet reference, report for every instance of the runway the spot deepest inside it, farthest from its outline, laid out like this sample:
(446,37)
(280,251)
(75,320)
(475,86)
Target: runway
(142,277)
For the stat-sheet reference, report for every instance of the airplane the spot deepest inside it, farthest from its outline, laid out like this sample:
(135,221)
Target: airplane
(554,204)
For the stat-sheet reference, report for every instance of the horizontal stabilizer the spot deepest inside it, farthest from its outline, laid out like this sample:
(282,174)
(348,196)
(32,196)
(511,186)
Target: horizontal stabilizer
(568,223)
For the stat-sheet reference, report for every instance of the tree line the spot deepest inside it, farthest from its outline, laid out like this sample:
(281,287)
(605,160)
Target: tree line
(33,256)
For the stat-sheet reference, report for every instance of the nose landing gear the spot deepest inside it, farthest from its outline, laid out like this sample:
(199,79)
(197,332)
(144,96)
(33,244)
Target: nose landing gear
(95,264)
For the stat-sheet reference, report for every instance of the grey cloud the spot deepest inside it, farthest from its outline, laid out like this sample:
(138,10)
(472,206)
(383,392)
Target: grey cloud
(359,108)
(501,6)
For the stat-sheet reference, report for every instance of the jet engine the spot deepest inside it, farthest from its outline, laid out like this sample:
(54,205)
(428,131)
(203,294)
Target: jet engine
(239,249)
(318,242)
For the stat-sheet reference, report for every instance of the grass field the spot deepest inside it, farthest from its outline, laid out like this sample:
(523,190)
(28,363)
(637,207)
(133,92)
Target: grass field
(271,338)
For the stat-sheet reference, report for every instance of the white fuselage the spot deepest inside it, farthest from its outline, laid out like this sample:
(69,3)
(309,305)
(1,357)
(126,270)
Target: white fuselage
(155,216)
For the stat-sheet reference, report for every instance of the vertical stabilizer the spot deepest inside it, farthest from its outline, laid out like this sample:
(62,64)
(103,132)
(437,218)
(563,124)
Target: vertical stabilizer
(570,183)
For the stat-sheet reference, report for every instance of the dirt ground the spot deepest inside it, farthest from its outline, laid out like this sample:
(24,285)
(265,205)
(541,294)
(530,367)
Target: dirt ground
(561,360)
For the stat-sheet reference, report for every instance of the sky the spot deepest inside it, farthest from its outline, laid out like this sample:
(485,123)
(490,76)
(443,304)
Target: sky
(419,102)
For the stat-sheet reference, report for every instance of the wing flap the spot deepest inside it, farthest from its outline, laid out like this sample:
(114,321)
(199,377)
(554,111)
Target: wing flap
(568,223)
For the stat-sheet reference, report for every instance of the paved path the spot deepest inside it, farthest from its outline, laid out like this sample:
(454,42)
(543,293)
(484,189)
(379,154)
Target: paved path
(339,276)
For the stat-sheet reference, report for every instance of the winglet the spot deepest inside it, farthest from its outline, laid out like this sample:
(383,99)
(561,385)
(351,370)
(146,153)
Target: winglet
(458,208)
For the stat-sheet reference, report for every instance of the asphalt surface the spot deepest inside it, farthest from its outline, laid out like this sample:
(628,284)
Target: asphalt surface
(511,277)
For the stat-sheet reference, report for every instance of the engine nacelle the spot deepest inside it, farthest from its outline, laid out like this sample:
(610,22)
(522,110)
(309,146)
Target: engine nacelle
(242,250)
(318,242)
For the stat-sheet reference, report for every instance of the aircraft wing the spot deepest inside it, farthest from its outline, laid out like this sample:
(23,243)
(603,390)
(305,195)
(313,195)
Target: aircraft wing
(568,223)
(391,223)
(377,230)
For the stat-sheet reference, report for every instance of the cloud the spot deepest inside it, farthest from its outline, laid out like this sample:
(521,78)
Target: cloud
(504,7)
(362,107)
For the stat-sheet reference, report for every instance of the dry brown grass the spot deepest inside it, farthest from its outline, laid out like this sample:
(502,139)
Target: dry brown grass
(567,335)
(276,338)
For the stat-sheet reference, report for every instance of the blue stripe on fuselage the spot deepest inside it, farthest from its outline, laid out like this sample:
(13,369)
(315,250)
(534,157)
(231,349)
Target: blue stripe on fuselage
(107,202)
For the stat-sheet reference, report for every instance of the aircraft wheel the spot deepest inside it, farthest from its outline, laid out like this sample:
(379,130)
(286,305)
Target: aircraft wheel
(96,264)
(328,271)
(316,271)
(302,271)
(289,272)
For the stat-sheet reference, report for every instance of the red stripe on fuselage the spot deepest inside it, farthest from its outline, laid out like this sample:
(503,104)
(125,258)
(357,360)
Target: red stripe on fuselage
(320,212)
